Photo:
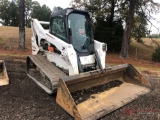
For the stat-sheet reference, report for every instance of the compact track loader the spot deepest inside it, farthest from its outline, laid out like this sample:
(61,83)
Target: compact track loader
(65,59)
(4,80)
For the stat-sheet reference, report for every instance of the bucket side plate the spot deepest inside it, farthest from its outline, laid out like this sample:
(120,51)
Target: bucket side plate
(4,80)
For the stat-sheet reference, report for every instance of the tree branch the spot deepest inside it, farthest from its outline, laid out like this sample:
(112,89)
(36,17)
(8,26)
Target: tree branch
(147,18)
(150,24)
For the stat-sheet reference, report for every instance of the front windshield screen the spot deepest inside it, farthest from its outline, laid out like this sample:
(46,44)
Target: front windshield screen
(81,31)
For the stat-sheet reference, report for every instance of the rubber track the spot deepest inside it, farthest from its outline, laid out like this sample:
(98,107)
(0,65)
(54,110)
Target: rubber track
(50,70)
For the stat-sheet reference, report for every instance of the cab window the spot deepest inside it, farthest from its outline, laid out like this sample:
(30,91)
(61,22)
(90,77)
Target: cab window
(58,28)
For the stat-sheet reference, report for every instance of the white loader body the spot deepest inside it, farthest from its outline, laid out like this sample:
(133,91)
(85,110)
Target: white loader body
(67,60)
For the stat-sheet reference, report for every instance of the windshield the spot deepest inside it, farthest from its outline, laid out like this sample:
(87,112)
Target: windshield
(80,26)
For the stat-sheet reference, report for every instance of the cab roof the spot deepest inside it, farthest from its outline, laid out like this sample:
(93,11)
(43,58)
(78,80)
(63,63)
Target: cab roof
(67,11)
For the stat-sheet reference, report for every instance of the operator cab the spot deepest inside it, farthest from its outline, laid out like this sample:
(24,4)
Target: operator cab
(74,27)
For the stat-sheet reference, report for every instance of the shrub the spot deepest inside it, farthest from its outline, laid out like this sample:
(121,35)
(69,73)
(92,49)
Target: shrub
(156,55)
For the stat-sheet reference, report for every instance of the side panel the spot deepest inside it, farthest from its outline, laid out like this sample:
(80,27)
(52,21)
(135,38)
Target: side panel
(58,60)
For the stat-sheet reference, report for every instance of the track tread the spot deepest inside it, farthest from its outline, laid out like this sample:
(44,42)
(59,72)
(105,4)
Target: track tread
(50,70)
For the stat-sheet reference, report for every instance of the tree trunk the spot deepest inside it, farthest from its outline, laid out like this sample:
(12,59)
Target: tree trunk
(112,12)
(21,25)
(127,31)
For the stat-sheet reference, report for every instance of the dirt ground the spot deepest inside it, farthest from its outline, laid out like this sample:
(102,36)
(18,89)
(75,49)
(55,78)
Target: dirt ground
(22,99)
